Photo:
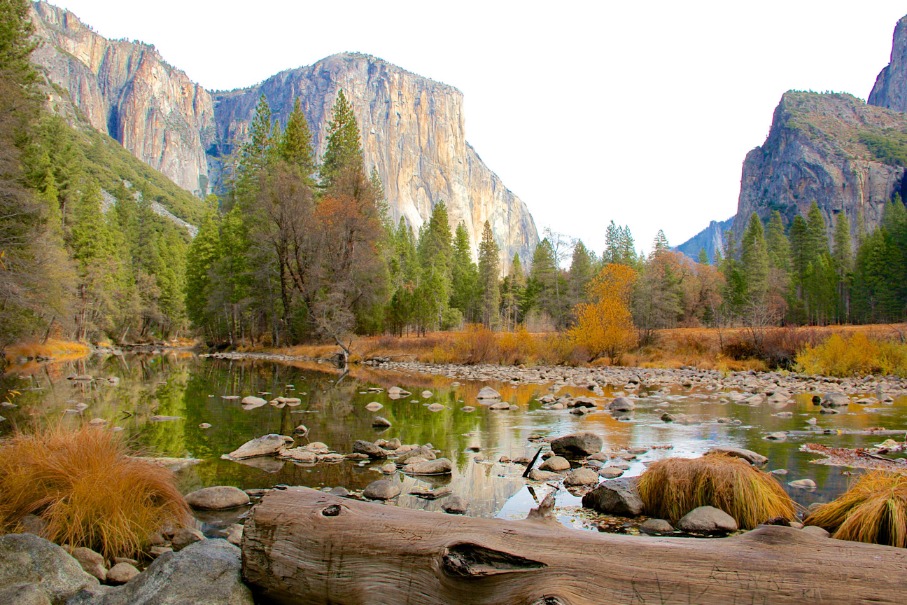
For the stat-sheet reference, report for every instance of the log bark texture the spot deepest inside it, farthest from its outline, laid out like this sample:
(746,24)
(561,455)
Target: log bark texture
(306,546)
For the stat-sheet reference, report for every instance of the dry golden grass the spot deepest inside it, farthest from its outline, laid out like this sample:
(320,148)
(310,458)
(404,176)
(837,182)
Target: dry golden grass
(873,510)
(703,348)
(53,348)
(87,490)
(673,487)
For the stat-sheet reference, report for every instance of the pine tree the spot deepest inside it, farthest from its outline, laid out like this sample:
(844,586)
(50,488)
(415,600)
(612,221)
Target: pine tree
(777,244)
(489,274)
(513,293)
(295,146)
(343,152)
(540,289)
(582,270)
(464,277)
(842,257)
(755,261)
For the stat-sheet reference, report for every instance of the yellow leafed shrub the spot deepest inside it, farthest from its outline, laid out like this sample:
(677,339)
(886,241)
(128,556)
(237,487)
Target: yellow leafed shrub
(853,355)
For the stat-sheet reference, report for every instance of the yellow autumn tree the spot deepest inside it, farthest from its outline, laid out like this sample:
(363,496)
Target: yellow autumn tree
(605,325)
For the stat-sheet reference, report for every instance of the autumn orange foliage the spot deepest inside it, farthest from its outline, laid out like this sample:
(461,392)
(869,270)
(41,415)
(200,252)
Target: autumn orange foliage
(605,326)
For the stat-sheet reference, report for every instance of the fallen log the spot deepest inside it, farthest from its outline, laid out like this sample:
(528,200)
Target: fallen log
(306,546)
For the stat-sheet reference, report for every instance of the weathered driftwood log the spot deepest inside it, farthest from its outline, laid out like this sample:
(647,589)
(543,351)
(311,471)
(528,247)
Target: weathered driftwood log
(305,546)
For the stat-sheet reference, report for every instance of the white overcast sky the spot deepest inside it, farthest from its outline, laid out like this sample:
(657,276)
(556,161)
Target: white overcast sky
(640,112)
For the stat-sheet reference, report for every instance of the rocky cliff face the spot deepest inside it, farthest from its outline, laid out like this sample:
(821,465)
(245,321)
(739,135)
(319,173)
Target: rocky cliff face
(890,90)
(412,132)
(826,148)
(126,90)
(710,239)
(412,127)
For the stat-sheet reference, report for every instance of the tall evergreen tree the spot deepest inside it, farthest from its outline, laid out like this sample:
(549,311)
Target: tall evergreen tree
(343,151)
(842,257)
(755,261)
(512,294)
(464,276)
(582,270)
(295,145)
(489,274)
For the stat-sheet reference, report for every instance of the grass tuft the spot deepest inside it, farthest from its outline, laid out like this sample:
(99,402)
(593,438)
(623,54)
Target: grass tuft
(86,489)
(873,510)
(673,487)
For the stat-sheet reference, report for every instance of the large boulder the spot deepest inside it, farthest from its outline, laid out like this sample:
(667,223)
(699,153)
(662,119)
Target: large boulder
(707,519)
(577,445)
(204,573)
(219,497)
(29,561)
(615,497)
(268,445)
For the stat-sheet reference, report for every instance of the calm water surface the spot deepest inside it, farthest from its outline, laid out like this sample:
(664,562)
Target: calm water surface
(128,391)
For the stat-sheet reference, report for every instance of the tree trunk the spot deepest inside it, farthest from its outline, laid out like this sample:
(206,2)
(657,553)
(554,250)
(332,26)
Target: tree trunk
(306,546)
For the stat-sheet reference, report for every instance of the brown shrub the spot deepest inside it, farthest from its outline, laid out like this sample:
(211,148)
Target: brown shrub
(873,510)
(87,490)
(673,487)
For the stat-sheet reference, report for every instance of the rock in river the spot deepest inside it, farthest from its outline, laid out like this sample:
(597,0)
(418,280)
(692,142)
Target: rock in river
(621,404)
(268,445)
(219,497)
(369,449)
(577,445)
(555,464)
(615,497)
(441,466)
(707,519)
(382,489)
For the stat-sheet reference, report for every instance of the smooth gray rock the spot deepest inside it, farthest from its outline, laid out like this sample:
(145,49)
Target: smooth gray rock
(488,393)
(382,489)
(555,464)
(748,455)
(621,404)
(30,560)
(615,497)
(656,526)
(455,505)
(835,400)
(24,594)
(581,476)
(419,452)
(380,422)
(91,562)
(121,573)
(577,445)
(441,466)
(610,472)
(707,519)
(205,573)
(218,497)
(185,536)
(815,530)
(803,484)
(369,449)
(268,445)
